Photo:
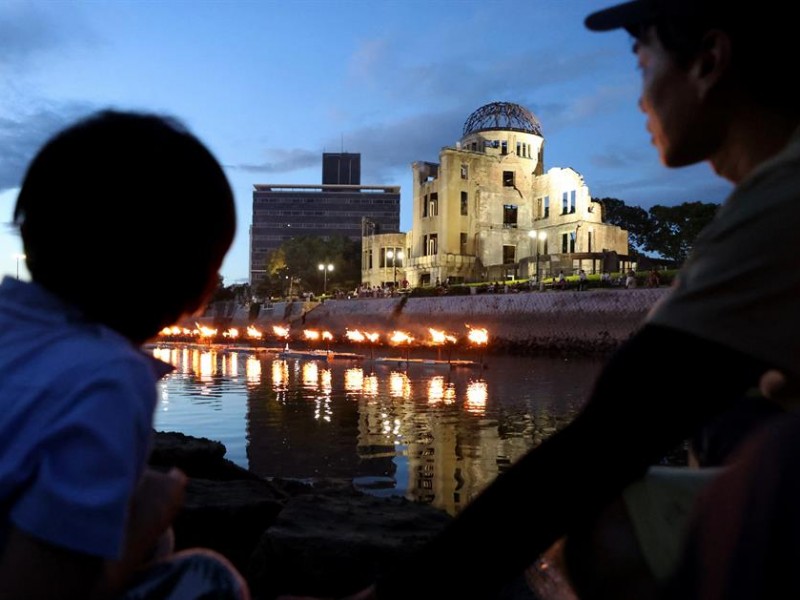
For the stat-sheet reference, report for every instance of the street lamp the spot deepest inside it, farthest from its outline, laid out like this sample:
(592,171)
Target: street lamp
(395,256)
(537,237)
(18,256)
(325,268)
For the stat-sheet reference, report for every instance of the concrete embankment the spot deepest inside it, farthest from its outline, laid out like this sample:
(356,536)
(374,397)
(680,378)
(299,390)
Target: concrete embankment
(593,320)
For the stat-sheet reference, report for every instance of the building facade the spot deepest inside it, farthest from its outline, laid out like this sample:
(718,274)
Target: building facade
(281,212)
(383,259)
(341,168)
(489,210)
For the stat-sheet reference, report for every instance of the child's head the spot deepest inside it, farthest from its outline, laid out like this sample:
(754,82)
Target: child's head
(128,216)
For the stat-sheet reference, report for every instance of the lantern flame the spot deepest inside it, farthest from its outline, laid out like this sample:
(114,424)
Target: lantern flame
(254,333)
(362,336)
(440,337)
(400,337)
(355,335)
(479,337)
(206,331)
(280,331)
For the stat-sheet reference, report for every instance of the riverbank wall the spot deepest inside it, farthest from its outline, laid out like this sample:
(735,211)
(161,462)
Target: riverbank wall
(595,320)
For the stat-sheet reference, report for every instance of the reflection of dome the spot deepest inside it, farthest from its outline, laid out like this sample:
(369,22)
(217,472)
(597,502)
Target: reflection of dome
(504,116)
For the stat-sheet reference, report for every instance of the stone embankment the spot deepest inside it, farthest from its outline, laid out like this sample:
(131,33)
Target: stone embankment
(590,321)
(287,537)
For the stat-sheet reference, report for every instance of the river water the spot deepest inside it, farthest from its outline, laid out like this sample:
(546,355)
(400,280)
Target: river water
(430,433)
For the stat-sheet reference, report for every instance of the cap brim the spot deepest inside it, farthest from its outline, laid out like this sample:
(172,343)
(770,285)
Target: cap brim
(621,16)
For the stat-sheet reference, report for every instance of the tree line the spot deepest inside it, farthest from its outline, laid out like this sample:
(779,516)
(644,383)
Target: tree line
(668,231)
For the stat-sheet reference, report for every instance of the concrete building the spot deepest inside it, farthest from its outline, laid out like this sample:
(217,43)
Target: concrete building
(489,210)
(281,212)
(341,168)
(383,259)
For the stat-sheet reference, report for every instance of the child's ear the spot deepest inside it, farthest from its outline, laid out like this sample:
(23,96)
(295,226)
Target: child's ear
(193,307)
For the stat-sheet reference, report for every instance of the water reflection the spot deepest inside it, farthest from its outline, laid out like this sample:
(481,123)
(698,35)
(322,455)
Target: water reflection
(253,370)
(434,435)
(399,385)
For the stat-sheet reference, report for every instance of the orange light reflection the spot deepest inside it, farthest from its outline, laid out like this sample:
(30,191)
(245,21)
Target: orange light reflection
(252,370)
(370,386)
(399,385)
(280,375)
(310,375)
(477,395)
(353,380)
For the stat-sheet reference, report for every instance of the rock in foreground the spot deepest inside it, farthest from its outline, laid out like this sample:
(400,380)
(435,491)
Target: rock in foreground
(286,536)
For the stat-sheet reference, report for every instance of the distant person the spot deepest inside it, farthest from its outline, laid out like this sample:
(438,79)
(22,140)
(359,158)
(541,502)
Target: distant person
(125,196)
(714,89)
(630,279)
(653,279)
(582,280)
(561,282)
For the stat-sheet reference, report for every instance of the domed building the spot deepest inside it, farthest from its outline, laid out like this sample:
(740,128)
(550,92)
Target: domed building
(489,211)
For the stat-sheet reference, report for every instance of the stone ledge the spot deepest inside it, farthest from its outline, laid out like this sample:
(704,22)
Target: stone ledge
(286,536)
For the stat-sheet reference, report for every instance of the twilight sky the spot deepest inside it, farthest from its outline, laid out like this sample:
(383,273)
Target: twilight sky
(270,85)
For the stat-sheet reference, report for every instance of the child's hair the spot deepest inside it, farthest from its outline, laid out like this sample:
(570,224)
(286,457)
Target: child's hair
(127,216)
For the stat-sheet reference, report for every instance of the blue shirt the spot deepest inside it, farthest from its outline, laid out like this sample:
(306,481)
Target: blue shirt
(76,411)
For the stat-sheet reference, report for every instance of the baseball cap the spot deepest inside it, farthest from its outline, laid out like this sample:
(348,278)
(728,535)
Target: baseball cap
(637,12)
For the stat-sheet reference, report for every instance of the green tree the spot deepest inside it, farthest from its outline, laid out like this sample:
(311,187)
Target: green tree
(221,292)
(299,258)
(675,228)
(634,219)
(668,231)
(275,281)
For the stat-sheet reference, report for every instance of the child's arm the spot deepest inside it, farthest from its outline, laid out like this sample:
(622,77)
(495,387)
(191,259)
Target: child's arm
(155,504)
(33,569)
(36,570)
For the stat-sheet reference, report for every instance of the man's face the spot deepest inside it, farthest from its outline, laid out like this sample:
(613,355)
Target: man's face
(671,102)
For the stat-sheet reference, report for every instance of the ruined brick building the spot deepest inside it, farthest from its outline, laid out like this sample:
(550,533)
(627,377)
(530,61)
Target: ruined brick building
(489,210)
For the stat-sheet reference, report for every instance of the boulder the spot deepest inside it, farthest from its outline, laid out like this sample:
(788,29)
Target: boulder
(329,545)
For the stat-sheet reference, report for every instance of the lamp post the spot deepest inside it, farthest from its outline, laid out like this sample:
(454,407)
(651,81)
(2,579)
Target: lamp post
(291,284)
(19,256)
(537,237)
(395,256)
(325,268)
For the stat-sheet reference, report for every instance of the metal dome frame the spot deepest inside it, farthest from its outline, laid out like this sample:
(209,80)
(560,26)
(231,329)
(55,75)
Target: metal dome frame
(502,116)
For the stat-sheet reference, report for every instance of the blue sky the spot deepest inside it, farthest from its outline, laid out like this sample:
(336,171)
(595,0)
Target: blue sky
(271,85)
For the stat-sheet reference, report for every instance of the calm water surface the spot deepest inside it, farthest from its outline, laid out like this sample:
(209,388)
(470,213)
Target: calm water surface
(432,434)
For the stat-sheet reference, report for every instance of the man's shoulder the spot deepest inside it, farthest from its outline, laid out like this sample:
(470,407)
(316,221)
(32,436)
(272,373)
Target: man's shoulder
(774,184)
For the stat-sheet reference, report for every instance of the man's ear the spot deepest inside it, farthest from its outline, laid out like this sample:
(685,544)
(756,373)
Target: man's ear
(713,61)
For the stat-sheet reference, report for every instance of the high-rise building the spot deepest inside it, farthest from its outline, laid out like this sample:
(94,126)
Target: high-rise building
(341,168)
(281,212)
